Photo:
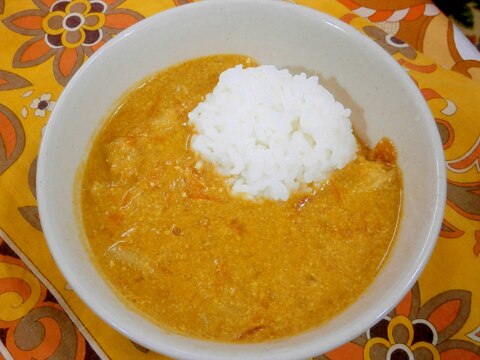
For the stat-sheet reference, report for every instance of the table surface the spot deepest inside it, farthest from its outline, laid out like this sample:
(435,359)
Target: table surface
(41,317)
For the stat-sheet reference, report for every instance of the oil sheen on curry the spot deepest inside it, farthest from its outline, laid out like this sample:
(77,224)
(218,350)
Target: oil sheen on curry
(177,246)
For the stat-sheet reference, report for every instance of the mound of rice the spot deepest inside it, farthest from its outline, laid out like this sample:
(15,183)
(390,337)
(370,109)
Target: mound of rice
(270,132)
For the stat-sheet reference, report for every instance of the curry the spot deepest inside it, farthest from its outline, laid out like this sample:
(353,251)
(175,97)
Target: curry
(176,245)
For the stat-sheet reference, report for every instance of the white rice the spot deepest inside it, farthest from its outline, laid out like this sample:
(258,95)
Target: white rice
(270,132)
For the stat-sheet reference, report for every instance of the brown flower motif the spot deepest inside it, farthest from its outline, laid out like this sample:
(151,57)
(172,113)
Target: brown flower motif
(68,30)
(390,43)
(74,23)
(401,338)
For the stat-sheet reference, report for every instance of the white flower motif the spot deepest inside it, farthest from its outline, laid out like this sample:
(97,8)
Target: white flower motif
(42,105)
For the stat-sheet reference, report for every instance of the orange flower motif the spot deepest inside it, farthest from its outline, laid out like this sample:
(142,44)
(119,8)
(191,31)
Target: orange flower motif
(67,30)
(12,138)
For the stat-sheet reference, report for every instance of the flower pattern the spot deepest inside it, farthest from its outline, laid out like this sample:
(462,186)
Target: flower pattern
(390,43)
(74,23)
(67,30)
(11,81)
(400,338)
(12,138)
(42,105)
(181,2)
(48,40)
(414,332)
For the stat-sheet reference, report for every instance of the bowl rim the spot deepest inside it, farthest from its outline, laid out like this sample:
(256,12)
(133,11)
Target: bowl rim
(307,349)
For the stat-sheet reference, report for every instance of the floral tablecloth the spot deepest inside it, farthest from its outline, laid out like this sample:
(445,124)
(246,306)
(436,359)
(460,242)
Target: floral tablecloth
(43,43)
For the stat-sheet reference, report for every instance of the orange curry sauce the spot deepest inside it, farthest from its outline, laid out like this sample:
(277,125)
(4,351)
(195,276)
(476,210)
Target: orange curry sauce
(177,246)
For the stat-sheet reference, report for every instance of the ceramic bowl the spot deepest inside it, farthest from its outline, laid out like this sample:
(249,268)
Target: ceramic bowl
(384,101)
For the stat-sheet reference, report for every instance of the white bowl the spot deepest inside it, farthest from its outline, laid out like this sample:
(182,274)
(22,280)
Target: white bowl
(362,75)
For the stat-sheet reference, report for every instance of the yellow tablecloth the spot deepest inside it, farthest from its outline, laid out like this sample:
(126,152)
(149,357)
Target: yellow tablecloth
(41,317)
